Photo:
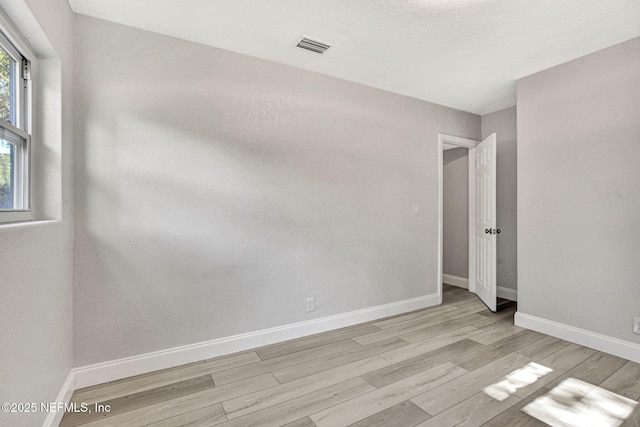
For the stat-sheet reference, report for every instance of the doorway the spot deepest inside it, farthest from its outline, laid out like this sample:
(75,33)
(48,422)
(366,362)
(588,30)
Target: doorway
(481,188)
(455,218)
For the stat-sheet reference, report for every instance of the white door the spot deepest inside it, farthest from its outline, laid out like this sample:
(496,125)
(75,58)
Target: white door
(485,221)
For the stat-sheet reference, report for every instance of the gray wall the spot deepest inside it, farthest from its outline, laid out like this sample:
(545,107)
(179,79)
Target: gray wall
(455,221)
(36,268)
(503,123)
(579,192)
(216,192)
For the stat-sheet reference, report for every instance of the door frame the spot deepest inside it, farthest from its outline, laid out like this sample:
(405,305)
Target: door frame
(469,144)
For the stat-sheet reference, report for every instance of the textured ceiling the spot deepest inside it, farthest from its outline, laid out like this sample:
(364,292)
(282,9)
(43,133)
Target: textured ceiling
(464,54)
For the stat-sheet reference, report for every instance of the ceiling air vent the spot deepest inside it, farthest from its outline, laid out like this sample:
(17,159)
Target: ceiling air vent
(313,45)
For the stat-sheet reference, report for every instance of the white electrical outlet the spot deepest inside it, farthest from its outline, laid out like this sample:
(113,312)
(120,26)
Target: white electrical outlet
(636,325)
(311,304)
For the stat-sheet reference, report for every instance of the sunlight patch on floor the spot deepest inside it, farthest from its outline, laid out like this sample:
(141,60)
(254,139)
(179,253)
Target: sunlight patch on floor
(575,403)
(517,379)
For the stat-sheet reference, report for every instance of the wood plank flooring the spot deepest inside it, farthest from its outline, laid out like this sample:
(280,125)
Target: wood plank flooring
(426,368)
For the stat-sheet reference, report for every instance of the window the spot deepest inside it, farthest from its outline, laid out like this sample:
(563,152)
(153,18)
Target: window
(15,203)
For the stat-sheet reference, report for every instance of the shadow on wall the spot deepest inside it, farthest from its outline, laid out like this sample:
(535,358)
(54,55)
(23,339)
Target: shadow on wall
(205,210)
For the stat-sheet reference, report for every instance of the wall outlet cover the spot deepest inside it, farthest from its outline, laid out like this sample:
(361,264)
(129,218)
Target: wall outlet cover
(636,325)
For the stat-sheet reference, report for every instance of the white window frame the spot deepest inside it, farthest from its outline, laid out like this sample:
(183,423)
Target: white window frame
(21,126)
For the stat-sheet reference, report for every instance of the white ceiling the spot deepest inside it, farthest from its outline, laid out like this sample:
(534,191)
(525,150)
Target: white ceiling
(465,54)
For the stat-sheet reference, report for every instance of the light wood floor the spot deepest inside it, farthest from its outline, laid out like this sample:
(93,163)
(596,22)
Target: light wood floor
(426,368)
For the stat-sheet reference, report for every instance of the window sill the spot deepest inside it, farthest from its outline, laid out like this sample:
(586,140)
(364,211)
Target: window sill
(9,217)
(24,226)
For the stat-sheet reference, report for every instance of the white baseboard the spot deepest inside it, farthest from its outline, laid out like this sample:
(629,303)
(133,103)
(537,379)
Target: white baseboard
(99,373)
(507,293)
(615,346)
(54,418)
(460,282)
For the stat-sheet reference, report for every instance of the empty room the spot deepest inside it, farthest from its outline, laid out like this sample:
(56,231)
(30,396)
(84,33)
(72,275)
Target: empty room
(320,213)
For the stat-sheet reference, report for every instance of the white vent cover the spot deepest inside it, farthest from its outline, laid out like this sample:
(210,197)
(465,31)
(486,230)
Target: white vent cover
(316,46)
